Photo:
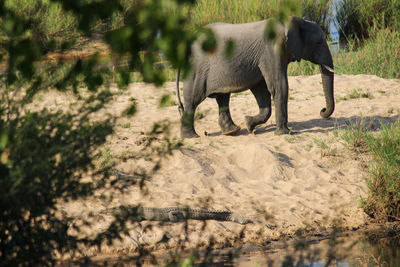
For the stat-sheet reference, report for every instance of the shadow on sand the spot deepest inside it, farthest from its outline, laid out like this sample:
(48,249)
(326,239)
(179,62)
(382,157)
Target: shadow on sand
(322,125)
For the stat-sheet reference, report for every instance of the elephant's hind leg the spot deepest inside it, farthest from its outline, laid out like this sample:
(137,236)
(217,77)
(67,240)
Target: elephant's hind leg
(225,120)
(187,124)
(193,92)
(263,97)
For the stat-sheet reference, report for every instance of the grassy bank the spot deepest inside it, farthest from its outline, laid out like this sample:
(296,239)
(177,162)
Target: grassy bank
(383,168)
(379,55)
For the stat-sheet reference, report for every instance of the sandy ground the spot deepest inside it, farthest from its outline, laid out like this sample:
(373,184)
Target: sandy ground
(283,183)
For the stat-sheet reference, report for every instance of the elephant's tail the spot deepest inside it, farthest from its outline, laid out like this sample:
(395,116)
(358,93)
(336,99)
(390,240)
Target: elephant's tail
(180,106)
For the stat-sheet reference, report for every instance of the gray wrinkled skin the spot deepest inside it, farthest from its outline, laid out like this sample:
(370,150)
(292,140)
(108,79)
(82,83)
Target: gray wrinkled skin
(256,64)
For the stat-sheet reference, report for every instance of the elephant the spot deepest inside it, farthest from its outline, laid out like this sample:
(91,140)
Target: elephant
(257,63)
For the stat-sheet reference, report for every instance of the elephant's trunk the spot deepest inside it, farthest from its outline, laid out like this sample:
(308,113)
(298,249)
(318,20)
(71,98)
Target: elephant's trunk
(327,83)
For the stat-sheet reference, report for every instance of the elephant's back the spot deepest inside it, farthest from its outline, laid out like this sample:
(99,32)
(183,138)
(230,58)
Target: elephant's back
(229,30)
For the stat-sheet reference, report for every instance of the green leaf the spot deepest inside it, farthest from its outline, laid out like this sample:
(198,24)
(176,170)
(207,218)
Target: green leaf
(123,79)
(166,101)
(229,48)
(270,30)
(131,110)
(209,44)
(3,141)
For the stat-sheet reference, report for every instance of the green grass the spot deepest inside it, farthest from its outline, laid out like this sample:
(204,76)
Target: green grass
(383,147)
(105,158)
(360,93)
(379,55)
(355,137)
(291,138)
(384,183)
(126,125)
(355,94)
(325,147)
(309,146)
(303,68)
(232,11)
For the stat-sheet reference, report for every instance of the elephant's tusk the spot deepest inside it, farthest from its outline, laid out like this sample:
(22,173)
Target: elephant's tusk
(328,68)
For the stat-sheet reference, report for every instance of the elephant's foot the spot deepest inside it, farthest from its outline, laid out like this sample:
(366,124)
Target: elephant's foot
(188,133)
(283,130)
(250,123)
(228,127)
(232,129)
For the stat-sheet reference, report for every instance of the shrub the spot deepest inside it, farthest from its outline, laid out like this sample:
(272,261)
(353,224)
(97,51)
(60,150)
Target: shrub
(47,20)
(44,154)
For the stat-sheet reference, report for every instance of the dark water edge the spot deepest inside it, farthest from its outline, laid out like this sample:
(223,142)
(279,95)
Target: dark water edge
(377,246)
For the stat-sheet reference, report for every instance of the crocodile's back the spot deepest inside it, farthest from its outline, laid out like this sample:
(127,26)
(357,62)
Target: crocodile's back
(176,214)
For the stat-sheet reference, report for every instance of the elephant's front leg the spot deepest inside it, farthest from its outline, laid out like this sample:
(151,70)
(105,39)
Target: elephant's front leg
(225,120)
(281,104)
(263,98)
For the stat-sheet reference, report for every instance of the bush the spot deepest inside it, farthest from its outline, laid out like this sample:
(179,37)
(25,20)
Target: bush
(47,21)
(52,26)
(43,157)
(44,154)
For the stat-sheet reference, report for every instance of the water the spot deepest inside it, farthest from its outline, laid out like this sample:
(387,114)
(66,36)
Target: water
(334,30)
(375,248)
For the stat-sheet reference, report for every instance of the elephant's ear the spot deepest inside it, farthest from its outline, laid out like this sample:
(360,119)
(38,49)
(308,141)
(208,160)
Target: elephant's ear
(294,38)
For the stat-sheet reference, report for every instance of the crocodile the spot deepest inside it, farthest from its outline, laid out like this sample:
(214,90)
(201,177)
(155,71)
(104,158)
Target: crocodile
(178,214)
